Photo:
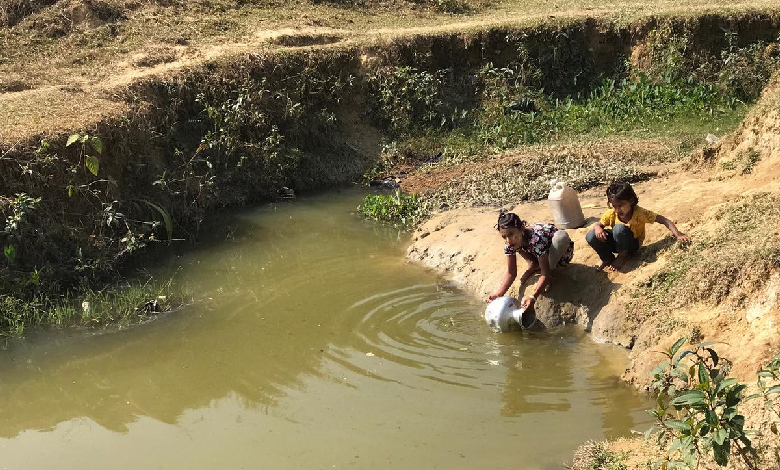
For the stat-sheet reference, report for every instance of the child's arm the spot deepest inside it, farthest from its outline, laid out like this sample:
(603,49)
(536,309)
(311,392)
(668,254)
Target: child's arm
(672,228)
(509,278)
(607,219)
(598,229)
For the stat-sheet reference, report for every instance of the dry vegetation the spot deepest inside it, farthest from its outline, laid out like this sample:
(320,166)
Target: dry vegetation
(78,51)
(525,174)
(736,249)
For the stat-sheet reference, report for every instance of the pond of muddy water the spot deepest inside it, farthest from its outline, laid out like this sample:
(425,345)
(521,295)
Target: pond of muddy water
(313,344)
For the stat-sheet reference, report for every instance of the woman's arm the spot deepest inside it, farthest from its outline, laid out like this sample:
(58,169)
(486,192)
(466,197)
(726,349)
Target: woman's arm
(672,228)
(509,278)
(542,283)
(533,267)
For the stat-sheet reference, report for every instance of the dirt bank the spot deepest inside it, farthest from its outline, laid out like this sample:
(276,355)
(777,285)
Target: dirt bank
(463,244)
(721,288)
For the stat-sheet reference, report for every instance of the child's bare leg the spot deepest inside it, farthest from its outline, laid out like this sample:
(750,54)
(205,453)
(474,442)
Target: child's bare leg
(620,260)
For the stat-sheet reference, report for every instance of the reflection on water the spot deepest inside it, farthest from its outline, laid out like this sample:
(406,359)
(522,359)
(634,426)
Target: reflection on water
(313,344)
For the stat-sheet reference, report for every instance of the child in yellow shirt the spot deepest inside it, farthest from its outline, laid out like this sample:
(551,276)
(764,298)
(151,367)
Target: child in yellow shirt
(627,221)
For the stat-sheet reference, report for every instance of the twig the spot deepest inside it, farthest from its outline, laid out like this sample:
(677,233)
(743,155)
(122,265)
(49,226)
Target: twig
(3,156)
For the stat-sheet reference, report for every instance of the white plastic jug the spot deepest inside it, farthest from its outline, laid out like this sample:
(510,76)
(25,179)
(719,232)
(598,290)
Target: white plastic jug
(565,205)
(501,314)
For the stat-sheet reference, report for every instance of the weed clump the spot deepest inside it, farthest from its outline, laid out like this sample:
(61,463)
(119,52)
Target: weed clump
(398,208)
(597,456)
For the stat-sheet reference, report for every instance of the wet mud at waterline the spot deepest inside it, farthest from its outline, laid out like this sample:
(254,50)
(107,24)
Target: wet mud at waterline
(313,344)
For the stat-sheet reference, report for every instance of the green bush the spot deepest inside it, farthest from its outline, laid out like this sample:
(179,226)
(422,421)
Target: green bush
(697,411)
(398,208)
(407,99)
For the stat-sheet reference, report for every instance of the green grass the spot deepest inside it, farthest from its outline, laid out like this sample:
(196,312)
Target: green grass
(630,108)
(132,302)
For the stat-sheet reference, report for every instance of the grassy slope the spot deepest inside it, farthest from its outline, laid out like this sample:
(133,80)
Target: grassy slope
(60,63)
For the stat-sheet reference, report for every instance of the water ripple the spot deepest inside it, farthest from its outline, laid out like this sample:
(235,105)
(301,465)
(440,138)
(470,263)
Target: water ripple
(422,329)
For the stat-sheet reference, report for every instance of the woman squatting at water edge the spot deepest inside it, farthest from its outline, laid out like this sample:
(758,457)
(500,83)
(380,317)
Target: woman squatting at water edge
(543,246)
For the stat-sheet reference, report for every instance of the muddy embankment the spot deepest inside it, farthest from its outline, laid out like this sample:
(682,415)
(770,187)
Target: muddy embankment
(247,128)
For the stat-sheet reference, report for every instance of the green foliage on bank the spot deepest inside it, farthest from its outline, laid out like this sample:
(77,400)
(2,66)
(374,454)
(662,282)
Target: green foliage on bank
(117,306)
(397,208)
(510,106)
(697,414)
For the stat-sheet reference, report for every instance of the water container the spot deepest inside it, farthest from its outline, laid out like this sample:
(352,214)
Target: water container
(565,205)
(501,315)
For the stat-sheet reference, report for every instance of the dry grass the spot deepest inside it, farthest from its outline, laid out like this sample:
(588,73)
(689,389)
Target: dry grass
(13,11)
(525,174)
(736,250)
(93,44)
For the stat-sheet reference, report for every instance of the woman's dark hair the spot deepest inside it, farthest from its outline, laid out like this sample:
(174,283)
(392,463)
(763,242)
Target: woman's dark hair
(508,220)
(622,192)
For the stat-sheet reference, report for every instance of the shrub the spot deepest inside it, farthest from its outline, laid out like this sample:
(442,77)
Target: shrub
(697,409)
(407,99)
(397,208)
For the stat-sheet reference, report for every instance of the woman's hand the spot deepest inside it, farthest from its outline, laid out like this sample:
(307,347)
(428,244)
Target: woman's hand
(682,238)
(493,297)
(528,302)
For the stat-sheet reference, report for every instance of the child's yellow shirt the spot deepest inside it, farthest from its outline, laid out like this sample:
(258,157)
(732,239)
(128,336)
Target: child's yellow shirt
(639,218)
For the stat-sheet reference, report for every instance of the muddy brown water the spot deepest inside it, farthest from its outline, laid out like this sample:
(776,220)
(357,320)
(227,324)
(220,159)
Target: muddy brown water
(313,345)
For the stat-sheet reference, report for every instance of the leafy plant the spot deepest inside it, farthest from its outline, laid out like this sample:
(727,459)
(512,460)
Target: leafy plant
(91,161)
(21,207)
(697,408)
(769,386)
(398,208)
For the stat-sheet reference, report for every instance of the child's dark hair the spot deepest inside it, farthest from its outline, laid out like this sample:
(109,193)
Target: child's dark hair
(508,220)
(622,192)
